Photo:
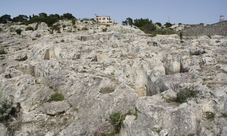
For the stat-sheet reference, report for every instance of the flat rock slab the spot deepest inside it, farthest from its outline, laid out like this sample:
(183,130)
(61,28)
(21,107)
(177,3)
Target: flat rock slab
(54,108)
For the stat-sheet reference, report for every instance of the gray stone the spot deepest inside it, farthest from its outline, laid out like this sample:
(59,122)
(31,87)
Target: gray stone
(3,130)
(120,70)
(55,108)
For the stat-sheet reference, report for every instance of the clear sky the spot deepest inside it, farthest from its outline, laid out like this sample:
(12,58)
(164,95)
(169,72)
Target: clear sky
(176,11)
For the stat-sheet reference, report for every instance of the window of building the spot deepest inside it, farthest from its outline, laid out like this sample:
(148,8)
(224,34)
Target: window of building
(103,18)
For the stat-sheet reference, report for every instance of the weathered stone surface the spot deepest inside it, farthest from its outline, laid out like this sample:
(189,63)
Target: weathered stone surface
(3,130)
(154,114)
(120,70)
(55,108)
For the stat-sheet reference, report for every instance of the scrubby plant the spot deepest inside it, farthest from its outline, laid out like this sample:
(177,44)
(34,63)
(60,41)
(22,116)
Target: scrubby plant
(163,31)
(2,51)
(158,130)
(186,93)
(210,115)
(181,36)
(84,28)
(117,121)
(73,21)
(224,115)
(6,108)
(12,29)
(18,31)
(38,35)
(183,93)
(57,97)
(29,28)
(209,36)
(104,29)
(55,27)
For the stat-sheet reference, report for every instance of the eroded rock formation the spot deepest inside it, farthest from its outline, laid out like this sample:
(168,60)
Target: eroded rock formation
(101,73)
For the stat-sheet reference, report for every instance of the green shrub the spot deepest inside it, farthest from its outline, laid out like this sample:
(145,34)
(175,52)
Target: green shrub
(210,115)
(18,31)
(29,28)
(73,21)
(117,121)
(224,115)
(0,29)
(104,30)
(186,93)
(55,27)
(6,108)
(57,97)
(181,36)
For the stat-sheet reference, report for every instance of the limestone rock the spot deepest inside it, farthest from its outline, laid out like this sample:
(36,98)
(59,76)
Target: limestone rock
(3,130)
(172,64)
(55,108)
(117,70)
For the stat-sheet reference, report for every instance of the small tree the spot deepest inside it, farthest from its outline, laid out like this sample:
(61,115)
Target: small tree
(158,24)
(5,18)
(168,24)
(20,18)
(67,16)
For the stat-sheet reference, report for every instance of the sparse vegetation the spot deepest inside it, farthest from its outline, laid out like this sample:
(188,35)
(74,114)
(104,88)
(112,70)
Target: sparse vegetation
(206,79)
(210,115)
(6,108)
(57,97)
(209,36)
(104,29)
(2,51)
(224,115)
(29,28)
(164,31)
(158,130)
(181,36)
(55,27)
(117,121)
(186,93)
(73,21)
(18,31)
(84,28)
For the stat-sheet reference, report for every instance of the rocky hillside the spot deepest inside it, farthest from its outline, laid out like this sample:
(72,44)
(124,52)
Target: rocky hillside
(219,28)
(90,79)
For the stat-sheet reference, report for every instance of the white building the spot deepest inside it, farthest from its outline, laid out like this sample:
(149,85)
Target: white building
(103,19)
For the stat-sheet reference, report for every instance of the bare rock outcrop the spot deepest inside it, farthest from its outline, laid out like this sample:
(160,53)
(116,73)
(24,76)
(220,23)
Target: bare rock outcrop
(159,85)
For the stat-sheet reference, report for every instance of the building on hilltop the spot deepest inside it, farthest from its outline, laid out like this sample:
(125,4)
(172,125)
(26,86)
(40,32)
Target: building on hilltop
(103,19)
(221,18)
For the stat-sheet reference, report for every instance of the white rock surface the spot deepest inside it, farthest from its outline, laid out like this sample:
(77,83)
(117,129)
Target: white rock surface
(121,70)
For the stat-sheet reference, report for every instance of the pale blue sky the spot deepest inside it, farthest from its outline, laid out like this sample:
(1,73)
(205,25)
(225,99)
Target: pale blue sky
(178,11)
